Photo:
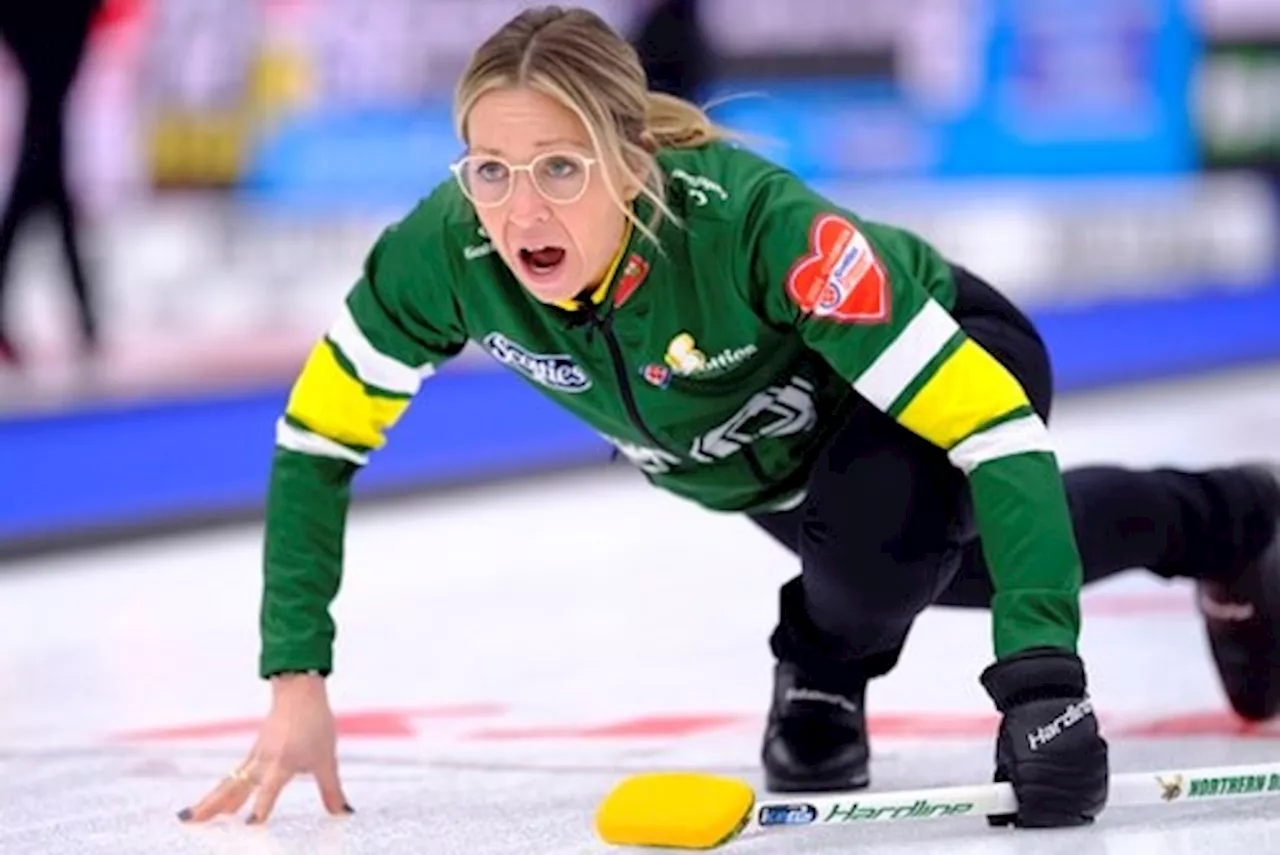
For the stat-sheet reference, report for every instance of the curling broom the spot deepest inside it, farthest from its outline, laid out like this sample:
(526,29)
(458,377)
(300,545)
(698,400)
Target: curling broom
(688,810)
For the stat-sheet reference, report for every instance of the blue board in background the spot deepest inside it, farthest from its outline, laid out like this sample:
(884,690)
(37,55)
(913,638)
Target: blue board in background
(1082,87)
(171,461)
(1061,88)
(119,466)
(320,161)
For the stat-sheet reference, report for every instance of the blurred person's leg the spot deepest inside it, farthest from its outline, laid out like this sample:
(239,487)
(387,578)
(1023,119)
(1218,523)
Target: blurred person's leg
(673,48)
(49,48)
(23,200)
(62,202)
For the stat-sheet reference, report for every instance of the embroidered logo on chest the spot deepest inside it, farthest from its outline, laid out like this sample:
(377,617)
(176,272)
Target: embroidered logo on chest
(633,274)
(555,371)
(685,359)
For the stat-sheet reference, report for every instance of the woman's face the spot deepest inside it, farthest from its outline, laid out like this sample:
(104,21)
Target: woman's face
(556,227)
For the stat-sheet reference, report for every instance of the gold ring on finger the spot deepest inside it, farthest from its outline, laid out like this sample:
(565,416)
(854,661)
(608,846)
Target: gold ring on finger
(240,774)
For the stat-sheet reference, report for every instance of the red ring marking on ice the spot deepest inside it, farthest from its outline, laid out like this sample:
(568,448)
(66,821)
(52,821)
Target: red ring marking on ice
(370,724)
(635,728)
(404,724)
(1121,605)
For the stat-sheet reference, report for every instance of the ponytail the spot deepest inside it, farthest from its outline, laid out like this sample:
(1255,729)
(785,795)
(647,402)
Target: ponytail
(676,123)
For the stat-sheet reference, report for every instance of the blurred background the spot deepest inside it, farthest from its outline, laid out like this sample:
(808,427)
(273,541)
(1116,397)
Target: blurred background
(192,185)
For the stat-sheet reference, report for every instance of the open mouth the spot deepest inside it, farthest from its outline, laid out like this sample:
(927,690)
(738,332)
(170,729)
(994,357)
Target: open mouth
(542,260)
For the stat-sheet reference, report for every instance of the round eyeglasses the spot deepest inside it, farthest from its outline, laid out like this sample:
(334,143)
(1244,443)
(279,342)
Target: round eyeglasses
(488,180)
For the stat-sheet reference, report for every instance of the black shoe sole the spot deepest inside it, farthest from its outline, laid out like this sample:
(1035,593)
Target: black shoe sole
(849,781)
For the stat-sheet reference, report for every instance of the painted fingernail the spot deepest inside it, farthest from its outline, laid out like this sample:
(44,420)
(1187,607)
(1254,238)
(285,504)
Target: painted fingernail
(252,820)
(348,808)
(184,814)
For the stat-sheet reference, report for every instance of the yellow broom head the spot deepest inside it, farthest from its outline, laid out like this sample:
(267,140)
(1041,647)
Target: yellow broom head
(676,810)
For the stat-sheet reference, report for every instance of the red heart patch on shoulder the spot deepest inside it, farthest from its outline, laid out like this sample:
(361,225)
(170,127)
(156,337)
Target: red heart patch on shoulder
(840,277)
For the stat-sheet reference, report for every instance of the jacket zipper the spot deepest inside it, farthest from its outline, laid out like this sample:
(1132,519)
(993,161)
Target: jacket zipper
(620,373)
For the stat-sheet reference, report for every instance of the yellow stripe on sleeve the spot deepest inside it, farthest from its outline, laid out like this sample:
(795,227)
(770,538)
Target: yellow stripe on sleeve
(967,391)
(335,405)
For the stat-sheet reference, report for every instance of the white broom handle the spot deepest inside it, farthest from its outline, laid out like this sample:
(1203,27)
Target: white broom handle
(1168,786)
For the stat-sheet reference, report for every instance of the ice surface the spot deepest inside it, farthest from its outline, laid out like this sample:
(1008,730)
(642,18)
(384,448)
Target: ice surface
(504,659)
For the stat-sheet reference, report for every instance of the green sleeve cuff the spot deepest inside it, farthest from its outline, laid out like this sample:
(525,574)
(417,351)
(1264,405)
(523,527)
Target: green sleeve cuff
(1027,618)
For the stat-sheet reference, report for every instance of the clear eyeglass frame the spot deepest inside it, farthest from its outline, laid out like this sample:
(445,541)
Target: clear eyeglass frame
(458,168)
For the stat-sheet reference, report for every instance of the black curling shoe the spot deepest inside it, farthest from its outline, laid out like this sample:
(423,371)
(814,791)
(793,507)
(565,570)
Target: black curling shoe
(1242,621)
(816,738)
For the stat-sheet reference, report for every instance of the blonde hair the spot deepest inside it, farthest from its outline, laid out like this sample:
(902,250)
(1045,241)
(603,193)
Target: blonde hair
(573,56)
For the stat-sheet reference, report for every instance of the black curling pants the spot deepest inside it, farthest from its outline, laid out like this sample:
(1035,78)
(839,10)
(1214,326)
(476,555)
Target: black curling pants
(886,528)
